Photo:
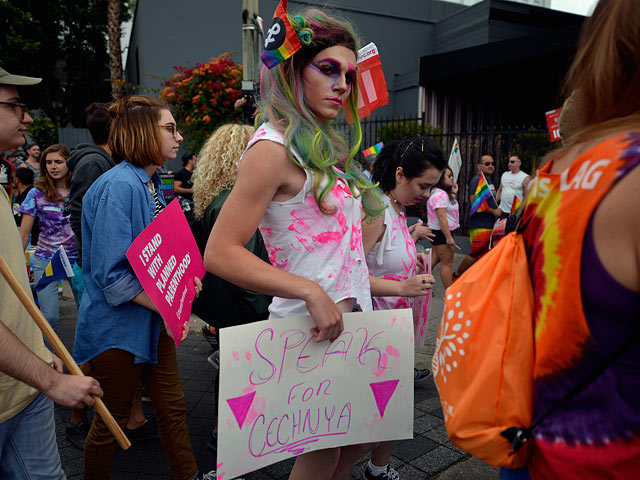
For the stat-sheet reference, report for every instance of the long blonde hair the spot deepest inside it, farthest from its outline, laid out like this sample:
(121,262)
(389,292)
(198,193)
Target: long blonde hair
(216,169)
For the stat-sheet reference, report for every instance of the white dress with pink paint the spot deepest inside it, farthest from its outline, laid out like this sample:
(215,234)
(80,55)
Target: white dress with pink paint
(324,248)
(393,257)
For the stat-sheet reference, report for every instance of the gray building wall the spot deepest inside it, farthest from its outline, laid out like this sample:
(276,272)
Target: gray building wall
(167,33)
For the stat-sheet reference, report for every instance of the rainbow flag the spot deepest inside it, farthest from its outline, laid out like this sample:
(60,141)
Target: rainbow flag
(373,150)
(481,195)
(281,41)
(515,205)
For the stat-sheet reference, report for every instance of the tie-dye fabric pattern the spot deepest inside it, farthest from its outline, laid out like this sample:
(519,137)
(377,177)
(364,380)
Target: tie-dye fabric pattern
(55,229)
(597,434)
(440,199)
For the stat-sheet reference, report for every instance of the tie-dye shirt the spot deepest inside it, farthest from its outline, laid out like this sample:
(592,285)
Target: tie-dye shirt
(55,229)
(440,199)
(393,257)
(327,249)
(597,433)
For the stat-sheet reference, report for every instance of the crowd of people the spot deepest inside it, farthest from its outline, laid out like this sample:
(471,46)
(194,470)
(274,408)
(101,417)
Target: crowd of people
(583,252)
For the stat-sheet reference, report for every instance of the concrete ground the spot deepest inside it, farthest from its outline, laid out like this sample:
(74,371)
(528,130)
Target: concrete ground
(429,455)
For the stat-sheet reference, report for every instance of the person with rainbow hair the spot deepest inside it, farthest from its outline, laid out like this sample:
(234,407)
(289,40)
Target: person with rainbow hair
(297,182)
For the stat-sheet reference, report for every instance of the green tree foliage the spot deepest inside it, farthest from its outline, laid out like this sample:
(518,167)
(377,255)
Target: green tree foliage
(401,129)
(43,131)
(65,43)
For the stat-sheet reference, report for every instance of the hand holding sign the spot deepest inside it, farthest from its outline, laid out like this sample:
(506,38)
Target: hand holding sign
(166,260)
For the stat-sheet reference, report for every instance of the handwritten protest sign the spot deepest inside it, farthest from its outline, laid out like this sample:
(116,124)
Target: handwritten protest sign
(165,258)
(281,394)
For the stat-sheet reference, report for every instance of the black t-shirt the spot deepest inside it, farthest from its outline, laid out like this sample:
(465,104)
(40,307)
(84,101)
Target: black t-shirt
(184,176)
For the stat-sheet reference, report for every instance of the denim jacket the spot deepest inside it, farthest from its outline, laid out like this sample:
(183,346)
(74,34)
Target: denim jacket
(116,208)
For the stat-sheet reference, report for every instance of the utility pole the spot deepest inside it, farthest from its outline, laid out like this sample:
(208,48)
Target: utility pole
(250,45)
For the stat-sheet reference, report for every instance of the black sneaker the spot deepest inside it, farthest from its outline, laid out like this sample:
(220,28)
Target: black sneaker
(77,433)
(147,431)
(420,374)
(207,333)
(390,474)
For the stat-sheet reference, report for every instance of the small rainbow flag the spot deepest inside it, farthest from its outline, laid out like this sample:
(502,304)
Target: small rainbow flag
(515,205)
(481,195)
(281,40)
(373,150)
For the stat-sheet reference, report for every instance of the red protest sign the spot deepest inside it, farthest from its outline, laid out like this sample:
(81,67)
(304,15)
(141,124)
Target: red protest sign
(165,258)
(552,124)
(372,86)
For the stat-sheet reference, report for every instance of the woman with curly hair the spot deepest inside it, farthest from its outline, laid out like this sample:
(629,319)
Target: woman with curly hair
(46,202)
(297,163)
(224,304)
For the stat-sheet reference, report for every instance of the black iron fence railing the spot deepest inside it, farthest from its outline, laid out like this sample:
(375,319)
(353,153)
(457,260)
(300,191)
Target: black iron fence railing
(529,143)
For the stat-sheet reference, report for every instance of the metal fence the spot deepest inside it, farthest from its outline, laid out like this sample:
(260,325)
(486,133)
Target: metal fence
(530,143)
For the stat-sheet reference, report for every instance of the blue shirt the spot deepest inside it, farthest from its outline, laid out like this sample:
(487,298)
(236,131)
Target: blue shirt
(115,210)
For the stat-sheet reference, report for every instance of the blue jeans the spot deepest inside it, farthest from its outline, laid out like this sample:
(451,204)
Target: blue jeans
(517,474)
(48,296)
(28,448)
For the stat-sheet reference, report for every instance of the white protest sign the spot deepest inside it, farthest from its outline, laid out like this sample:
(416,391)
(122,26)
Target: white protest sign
(282,394)
(455,160)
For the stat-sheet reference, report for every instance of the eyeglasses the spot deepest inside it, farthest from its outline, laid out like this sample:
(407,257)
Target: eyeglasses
(171,128)
(486,164)
(21,106)
(512,161)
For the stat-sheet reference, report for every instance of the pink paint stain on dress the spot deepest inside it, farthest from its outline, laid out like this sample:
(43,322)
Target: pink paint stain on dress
(236,356)
(327,237)
(248,356)
(266,232)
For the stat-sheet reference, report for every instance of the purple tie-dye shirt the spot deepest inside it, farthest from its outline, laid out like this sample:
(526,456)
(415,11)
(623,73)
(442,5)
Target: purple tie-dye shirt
(55,229)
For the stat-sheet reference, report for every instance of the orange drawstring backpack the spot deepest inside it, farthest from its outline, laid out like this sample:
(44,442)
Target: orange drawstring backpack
(484,358)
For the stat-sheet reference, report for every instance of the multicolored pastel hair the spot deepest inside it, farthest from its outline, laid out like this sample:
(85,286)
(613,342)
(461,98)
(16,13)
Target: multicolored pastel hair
(283,104)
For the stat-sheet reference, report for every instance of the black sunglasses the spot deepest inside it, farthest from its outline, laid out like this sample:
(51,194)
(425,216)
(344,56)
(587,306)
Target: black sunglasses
(486,164)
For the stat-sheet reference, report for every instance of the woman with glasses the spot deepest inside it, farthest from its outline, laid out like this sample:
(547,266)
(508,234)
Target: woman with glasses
(45,203)
(120,331)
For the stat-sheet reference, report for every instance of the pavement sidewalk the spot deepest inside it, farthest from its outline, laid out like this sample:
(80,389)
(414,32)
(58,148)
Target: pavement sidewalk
(428,455)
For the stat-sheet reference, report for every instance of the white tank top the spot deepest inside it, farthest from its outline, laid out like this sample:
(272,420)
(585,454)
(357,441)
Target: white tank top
(304,241)
(393,257)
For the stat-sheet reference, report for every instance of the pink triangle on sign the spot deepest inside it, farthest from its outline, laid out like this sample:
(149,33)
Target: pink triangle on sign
(382,392)
(240,406)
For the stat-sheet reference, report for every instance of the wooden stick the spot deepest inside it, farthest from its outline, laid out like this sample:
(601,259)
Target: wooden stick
(61,350)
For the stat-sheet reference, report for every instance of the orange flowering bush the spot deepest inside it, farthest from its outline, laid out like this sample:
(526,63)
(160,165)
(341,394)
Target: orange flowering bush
(201,98)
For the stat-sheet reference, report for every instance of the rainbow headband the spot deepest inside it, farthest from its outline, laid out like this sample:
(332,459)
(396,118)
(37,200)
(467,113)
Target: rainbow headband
(281,40)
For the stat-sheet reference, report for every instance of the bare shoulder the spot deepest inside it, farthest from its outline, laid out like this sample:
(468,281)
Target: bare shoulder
(269,163)
(372,231)
(617,230)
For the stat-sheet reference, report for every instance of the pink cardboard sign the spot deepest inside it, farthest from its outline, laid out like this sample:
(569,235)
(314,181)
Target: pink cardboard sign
(166,259)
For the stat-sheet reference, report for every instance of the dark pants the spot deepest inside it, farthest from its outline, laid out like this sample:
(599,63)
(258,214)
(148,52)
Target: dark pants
(119,378)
